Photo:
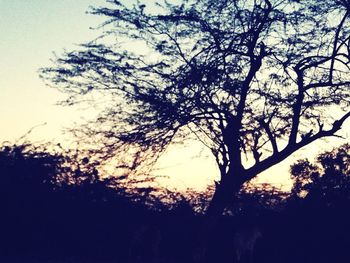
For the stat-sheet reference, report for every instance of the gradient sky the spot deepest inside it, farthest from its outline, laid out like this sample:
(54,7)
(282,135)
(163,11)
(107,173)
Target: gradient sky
(31,30)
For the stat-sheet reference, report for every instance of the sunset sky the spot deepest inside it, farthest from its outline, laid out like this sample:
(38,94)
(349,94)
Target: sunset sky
(31,30)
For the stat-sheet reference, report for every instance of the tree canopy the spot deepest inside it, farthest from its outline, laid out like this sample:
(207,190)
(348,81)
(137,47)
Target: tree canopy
(327,180)
(261,78)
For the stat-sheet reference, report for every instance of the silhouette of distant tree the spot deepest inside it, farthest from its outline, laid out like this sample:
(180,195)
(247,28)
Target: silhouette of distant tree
(54,205)
(327,181)
(319,205)
(255,78)
(25,165)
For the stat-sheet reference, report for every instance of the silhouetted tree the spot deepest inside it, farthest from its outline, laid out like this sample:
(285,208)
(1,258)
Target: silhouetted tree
(327,181)
(27,182)
(54,205)
(319,205)
(256,78)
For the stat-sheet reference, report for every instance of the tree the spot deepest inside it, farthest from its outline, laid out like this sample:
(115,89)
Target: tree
(260,78)
(319,204)
(327,181)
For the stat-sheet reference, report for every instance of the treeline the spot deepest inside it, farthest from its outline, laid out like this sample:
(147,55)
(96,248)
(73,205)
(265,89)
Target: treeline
(56,206)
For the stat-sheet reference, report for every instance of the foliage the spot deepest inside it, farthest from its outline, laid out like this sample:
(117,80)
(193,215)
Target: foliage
(327,181)
(54,205)
(80,220)
(254,78)
(256,199)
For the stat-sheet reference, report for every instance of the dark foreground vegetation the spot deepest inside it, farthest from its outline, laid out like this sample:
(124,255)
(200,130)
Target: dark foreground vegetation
(56,206)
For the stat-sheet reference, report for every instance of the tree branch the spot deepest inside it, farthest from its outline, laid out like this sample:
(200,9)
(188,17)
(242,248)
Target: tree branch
(291,148)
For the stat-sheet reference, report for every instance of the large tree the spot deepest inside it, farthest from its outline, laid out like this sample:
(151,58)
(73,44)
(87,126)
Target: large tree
(254,78)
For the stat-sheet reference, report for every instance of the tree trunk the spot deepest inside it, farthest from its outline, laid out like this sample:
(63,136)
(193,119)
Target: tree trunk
(225,194)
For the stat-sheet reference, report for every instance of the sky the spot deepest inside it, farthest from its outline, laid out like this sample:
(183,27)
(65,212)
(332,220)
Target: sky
(31,30)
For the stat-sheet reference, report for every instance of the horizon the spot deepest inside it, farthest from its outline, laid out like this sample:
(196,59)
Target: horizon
(32,31)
